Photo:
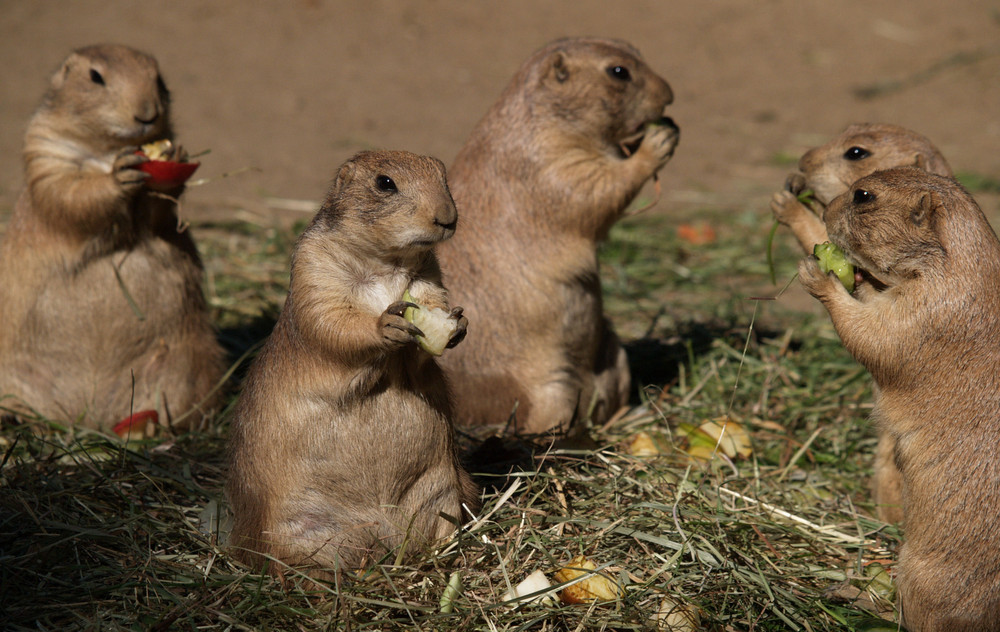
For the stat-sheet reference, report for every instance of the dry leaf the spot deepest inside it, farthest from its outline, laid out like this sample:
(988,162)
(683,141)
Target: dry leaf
(734,438)
(677,617)
(594,588)
(722,434)
(644,444)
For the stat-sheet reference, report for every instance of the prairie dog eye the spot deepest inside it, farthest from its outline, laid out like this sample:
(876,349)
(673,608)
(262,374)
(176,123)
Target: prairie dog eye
(856,153)
(862,197)
(96,77)
(620,73)
(385,183)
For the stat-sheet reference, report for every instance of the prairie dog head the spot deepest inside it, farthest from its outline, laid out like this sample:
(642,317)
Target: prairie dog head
(108,93)
(905,223)
(862,149)
(599,88)
(390,203)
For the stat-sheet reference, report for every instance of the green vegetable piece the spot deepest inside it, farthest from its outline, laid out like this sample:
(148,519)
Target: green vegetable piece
(451,592)
(831,259)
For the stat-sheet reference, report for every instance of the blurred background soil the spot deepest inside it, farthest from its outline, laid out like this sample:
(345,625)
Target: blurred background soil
(281,93)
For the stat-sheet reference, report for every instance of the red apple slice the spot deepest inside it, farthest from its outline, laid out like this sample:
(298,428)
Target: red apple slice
(137,424)
(167,174)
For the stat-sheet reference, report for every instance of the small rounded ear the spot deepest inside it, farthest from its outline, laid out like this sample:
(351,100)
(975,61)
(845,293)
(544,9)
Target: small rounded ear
(59,78)
(920,162)
(557,62)
(924,209)
(344,176)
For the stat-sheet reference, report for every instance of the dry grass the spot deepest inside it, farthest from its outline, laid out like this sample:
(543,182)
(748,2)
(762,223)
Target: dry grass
(96,535)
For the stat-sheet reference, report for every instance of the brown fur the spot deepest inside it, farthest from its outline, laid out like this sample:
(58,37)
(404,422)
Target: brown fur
(71,343)
(539,183)
(342,441)
(828,171)
(931,340)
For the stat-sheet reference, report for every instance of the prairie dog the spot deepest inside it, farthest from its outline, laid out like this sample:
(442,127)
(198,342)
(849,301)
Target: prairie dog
(542,178)
(98,287)
(828,171)
(342,440)
(931,340)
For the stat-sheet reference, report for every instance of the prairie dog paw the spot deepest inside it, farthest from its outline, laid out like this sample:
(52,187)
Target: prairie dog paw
(814,280)
(396,329)
(660,141)
(786,207)
(461,327)
(795,183)
(125,171)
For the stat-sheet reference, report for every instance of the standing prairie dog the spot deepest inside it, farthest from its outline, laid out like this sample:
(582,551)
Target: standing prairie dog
(101,306)
(342,441)
(931,340)
(828,171)
(541,180)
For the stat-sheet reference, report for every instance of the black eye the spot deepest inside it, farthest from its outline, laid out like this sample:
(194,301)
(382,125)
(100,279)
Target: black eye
(620,73)
(861,196)
(96,77)
(385,183)
(856,153)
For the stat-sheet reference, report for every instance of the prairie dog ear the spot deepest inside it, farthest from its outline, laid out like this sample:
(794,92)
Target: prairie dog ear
(344,176)
(559,68)
(59,78)
(924,209)
(920,162)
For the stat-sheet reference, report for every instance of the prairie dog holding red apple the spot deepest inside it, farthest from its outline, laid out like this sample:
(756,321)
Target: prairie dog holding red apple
(542,178)
(342,441)
(828,170)
(100,292)
(927,330)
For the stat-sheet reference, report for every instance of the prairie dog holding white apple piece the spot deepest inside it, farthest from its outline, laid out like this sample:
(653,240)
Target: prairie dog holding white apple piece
(342,442)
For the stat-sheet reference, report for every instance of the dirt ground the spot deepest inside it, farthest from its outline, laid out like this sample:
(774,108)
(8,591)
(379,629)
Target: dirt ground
(283,92)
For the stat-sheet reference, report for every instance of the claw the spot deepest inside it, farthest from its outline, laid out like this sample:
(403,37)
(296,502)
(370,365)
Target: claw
(399,308)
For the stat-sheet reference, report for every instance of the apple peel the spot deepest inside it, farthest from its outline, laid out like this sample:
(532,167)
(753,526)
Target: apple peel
(165,174)
(140,424)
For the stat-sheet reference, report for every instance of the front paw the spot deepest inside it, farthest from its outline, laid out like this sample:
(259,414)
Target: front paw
(396,330)
(795,183)
(813,279)
(660,141)
(786,207)
(461,327)
(125,170)
(176,153)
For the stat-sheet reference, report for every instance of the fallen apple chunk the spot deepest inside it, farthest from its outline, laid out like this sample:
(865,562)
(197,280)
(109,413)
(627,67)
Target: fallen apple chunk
(594,588)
